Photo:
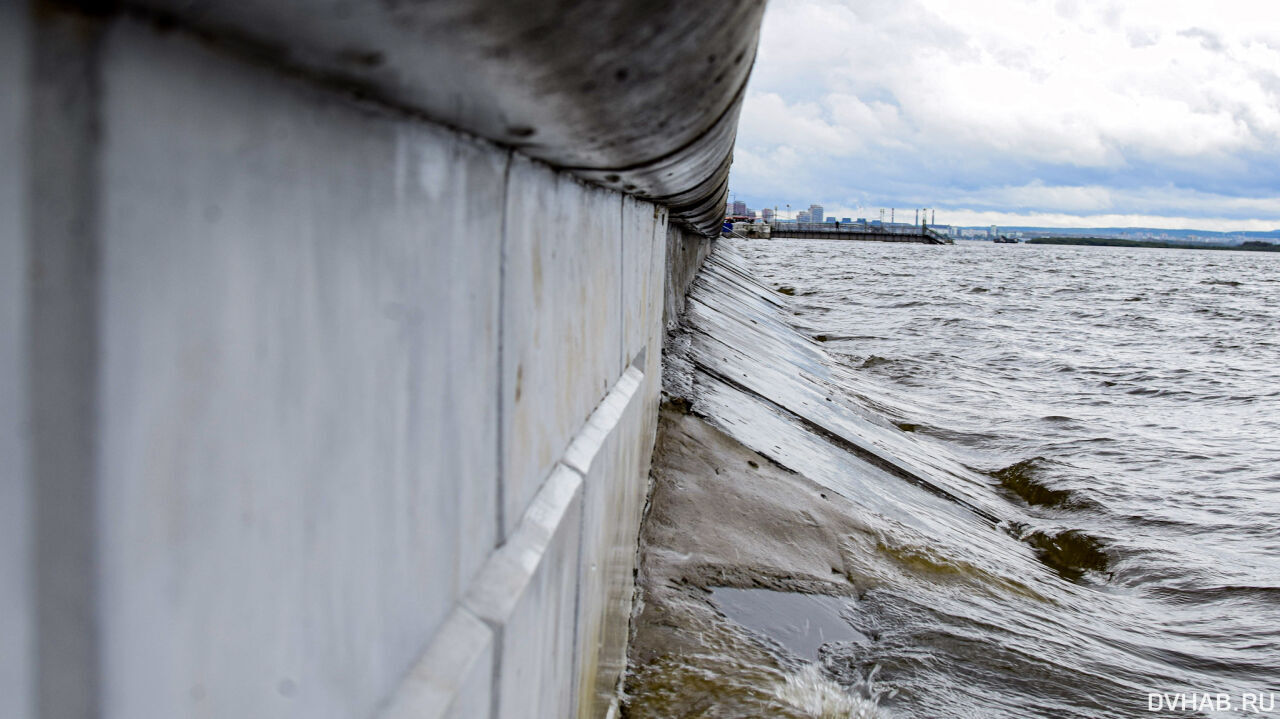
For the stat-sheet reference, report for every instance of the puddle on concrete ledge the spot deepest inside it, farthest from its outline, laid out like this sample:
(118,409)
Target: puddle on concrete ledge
(801,623)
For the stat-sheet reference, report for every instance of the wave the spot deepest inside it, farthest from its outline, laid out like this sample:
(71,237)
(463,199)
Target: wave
(1021,480)
(1070,553)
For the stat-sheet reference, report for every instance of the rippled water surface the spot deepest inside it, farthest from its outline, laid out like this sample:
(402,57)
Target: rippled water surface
(1123,406)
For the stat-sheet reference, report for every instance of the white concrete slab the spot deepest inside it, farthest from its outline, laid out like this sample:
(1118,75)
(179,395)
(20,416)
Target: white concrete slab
(639,243)
(657,330)
(647,297)
(527,592)
(614,489)
(685,253)
(299,326)
(586,445)
(562,335)
(454,677)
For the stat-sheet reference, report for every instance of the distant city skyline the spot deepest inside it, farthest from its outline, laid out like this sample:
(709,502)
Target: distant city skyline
(1044,113)
(918,216)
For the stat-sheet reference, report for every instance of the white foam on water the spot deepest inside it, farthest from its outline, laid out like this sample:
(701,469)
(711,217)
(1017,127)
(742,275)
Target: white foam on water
(810,691)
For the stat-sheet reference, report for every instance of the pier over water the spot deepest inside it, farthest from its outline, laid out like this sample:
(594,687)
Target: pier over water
(859,231)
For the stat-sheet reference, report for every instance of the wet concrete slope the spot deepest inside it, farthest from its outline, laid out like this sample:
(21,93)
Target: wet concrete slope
(737,362)
(772,471)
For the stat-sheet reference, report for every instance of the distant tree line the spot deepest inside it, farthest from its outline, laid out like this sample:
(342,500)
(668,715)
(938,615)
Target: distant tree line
(1260,246)
(1252,245)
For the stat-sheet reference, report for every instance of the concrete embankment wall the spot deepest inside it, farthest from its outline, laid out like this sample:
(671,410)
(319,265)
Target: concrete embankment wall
(312,406)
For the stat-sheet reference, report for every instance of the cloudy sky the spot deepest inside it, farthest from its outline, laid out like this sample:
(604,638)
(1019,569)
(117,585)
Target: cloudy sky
(1080,113)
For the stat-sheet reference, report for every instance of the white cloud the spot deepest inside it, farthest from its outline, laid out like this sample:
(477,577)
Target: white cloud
(1071,101)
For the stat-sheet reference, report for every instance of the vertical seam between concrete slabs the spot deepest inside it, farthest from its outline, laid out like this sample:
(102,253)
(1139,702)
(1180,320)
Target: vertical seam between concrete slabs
(499,493)
(18,651)
(622,282)
(63,282)
(495,682)
(497,617)
(575,671)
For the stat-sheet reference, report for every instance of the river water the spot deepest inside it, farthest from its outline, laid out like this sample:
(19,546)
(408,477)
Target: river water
(1122,407)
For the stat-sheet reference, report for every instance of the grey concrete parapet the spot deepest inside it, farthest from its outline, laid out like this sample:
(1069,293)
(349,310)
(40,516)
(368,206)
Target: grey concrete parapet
(640,96)
(311,407)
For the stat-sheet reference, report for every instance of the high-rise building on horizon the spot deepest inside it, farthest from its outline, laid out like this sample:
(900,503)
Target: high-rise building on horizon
(817,213)
(739,207)
(766,214)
